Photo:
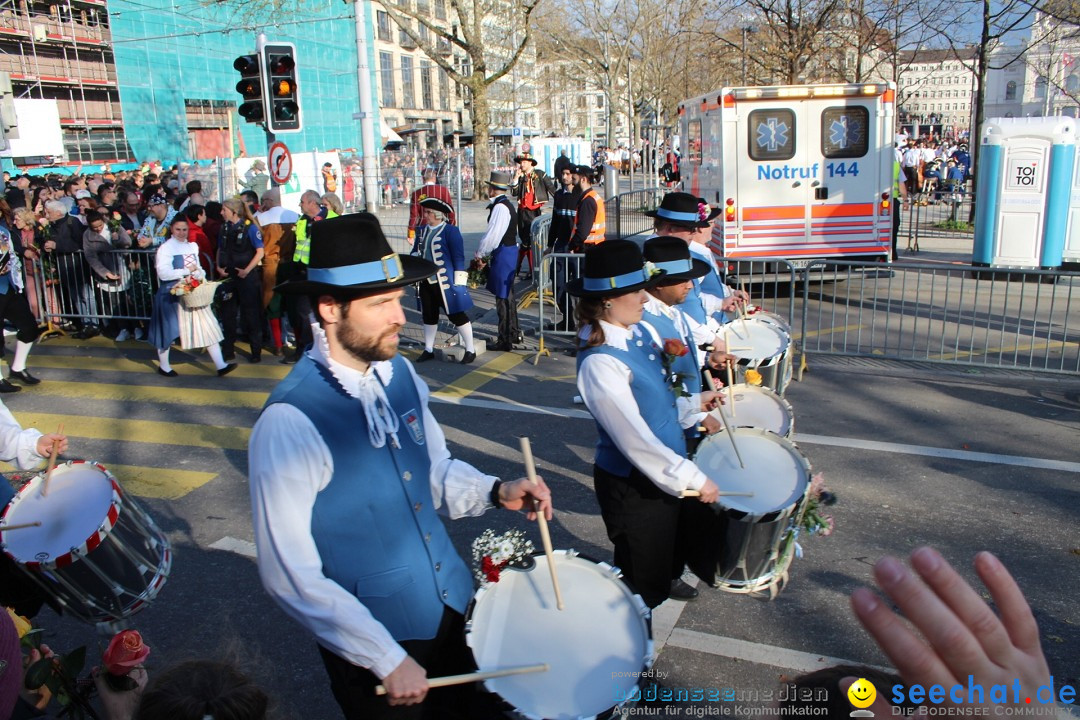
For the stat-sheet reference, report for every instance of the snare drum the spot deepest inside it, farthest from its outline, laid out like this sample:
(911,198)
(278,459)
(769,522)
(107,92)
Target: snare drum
(758,407)
(757,541)
(762,345)
(596,647)
(96,551)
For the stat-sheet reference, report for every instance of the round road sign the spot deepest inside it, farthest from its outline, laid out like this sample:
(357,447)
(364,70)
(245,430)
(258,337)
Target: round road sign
(280,163)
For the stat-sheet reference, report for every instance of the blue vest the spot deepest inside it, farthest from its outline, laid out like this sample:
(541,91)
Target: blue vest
(375,523)
(655,400)
(692,304)
(686,365)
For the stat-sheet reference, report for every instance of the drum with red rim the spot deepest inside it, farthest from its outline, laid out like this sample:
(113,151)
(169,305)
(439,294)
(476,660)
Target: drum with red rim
(96,551)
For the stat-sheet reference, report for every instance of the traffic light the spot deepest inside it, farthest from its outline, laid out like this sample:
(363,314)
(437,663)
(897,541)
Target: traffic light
(250,87)
(283,95)
(9,124)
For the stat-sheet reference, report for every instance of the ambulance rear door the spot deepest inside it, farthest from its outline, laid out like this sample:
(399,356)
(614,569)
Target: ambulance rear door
(849,145)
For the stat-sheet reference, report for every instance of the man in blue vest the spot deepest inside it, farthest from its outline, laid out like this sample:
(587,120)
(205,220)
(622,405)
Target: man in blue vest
(348,469)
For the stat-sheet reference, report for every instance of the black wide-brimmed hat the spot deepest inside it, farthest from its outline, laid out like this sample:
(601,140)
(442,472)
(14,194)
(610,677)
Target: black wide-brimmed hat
(526,156)
(684,209)
(437,204)
(351,254)
(672,255)
(614,267)
(584,171)
(499,180)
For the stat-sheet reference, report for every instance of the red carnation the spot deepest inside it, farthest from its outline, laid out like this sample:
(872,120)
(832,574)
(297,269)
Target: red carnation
(490,569)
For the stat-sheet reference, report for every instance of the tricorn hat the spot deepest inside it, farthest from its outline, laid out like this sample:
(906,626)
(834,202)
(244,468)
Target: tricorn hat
(351,254)
(614,267)
(437,204)
(525,156)
(499,180)
(672,255)
(685,209)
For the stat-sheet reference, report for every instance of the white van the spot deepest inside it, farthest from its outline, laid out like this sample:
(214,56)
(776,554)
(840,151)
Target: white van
(801,172)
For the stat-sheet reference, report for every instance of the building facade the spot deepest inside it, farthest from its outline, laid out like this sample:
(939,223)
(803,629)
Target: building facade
(1036,79)
(936,88)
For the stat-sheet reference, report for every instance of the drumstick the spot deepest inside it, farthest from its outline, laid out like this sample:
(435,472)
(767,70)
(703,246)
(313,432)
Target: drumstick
(52,461)
(730,391)
(474,676)
(742,316)
(722,493)
(731,435)
(5,528)
(545,536)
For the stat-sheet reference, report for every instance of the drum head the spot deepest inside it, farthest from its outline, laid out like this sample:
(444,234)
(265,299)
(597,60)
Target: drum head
(776,472)
(596,647)
(79,499)
(758,407)
(764,340)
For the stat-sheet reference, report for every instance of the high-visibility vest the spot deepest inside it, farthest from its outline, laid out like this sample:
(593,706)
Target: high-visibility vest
(598,231)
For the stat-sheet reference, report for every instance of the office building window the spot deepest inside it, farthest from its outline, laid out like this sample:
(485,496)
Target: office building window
(386,80)
(408,89)
(440,9)
(444,90)
(426,98)
(383,22)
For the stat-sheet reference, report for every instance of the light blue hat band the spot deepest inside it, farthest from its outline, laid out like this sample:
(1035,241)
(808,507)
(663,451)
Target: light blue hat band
(387,268)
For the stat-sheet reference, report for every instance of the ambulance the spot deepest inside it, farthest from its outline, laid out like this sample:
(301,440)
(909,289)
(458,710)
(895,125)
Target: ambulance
(801,172)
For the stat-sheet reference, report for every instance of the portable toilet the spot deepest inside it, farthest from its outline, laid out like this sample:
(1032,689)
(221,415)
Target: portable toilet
(1022,202)
(1072,234)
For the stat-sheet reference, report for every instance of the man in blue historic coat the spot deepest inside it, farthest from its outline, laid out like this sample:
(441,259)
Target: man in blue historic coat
(349,472)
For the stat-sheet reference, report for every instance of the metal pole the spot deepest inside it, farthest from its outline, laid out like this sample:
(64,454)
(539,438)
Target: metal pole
(744,57)
(367,109)
(457,197)
(630,119)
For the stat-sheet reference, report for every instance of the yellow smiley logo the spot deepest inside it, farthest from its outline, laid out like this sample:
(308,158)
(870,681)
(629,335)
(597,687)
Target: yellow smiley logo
(862,693)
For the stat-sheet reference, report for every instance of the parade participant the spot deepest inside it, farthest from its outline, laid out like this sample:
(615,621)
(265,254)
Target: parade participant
(240,249)
(641,465)
(448,289)
(590,218)
(349,540)
(14,307)
(430,189)
(533,188)
(499,241)
(176,259)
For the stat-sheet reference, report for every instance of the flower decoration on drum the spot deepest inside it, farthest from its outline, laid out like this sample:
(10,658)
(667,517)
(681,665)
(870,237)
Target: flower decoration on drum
(753,377)
(478,271)
(814,521)
(703,211)
(493,553)
(672,350)
(126,652)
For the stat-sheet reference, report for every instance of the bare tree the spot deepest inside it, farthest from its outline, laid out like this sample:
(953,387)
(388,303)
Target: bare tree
(792,32)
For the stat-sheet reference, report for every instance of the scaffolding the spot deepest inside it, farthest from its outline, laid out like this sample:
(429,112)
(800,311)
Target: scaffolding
(62,51)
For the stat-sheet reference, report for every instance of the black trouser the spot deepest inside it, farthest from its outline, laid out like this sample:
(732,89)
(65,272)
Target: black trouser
(297,307)
(509,332)
(564,270)
(895,229)
(247,294)
(72,275)
(642,521)
(445,654)
(15,308)
(431,301)
(524,228)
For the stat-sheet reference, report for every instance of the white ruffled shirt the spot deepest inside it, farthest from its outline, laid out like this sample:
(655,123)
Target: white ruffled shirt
(289,465)
(604,385)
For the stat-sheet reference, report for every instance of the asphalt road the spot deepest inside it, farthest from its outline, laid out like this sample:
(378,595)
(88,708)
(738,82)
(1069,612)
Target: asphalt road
(963,459)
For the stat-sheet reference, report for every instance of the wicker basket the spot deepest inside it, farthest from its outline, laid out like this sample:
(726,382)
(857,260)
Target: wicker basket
(201,296)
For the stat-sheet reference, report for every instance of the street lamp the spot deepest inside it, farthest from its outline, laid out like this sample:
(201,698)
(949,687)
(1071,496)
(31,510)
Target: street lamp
(746,30)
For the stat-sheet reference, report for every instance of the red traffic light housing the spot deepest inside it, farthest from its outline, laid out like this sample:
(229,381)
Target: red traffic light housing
(283,101)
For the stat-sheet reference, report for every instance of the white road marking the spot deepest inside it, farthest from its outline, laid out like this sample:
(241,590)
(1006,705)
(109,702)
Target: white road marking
(234,545)
(966,455)
(759,653)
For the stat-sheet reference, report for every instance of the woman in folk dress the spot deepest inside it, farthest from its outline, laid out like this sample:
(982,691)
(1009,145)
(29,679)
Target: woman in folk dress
(176,259)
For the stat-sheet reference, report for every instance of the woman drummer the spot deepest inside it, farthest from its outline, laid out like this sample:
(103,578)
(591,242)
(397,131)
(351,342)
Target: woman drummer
(641,466)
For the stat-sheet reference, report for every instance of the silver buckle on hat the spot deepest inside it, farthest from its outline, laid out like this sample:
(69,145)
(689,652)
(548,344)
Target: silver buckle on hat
(386,267)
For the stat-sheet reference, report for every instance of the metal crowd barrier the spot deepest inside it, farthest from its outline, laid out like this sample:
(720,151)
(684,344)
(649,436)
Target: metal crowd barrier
(957,315)
(626,212)
(65,287)
(937,213)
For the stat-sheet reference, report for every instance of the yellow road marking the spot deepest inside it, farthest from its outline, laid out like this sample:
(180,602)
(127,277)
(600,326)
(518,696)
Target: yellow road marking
(1058,344)
(159,394)
(265,371)
(147,431)
(482,375)
(830,331)
(557,377)
(163,483)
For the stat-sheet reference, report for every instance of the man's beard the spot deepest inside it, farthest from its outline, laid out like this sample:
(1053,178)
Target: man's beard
(366,349)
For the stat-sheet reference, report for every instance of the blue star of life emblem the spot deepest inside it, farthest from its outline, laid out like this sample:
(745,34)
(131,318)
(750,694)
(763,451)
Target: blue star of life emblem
(845,132)
(772,134)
